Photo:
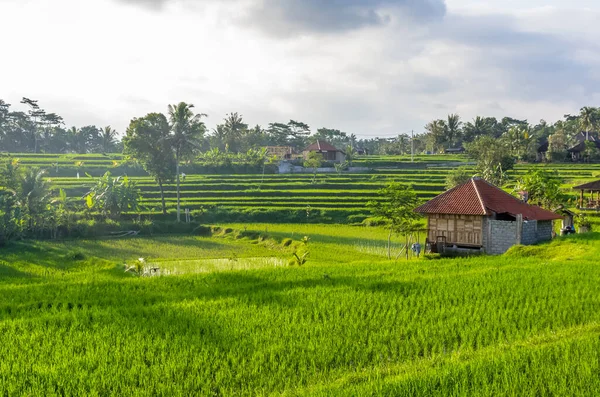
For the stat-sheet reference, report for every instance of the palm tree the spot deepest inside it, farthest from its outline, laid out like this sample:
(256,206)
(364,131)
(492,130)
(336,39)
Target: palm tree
(234,130)
(588,120)
(453,128)
(187,130)
(478,127)
(436,130)
(108,137)
(77,140)
(35,194)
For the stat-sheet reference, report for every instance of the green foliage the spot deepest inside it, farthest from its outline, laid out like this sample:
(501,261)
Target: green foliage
(313,160)
(350,155)
(591,151)
(542,187)
(458,176)
(25,202)
(112,196)
(583,221)
(493,159)
(340,167)
(520,142)
(396,209)
(147,142)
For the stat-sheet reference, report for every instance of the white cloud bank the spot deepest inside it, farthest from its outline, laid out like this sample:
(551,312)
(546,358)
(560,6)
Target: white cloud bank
(373,68)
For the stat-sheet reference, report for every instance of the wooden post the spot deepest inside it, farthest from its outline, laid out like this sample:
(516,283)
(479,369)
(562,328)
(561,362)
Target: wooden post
(519,235)
(581,200)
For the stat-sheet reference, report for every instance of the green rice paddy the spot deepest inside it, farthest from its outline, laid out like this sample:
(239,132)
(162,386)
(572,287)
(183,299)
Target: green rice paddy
(228,316)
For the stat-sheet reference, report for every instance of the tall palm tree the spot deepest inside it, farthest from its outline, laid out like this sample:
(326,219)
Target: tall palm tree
(588,120)
(234,130)
(478,127)
(187,129)
(77,140)
(453,128)
(108,137)
(436,130)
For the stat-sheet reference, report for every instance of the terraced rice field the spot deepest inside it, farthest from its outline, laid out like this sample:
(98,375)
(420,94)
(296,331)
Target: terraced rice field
(338,196)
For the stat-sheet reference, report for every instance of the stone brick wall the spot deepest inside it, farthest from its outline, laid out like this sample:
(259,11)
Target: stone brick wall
(499,236)
(503,236)
(529,234)
(485,227)
(544,230)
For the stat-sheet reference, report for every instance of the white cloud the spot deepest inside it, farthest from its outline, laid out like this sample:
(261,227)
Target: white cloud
(384,67)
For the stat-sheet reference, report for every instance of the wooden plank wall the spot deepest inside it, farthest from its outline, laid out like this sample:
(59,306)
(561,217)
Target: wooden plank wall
(458,229)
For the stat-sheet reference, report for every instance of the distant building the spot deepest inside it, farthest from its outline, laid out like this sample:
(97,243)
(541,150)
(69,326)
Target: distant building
(455,150)
(577,151)
(479,216)
(327,150)
(281,152)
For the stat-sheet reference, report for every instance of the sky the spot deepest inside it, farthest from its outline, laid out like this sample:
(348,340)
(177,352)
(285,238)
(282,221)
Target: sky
(368,67)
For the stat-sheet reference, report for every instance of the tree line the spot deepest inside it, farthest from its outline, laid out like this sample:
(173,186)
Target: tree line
(522,137)
(39,131)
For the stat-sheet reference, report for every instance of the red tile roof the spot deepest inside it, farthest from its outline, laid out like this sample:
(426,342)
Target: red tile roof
(322,146)
(478,197)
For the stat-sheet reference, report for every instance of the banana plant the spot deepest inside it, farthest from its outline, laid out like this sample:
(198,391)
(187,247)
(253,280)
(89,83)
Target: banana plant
(113,196)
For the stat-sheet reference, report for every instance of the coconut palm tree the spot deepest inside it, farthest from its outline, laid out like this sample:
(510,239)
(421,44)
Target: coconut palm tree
(436,134)
(108,137)
(234,130)
(478,127)
(187,129)
(453,128)
(588,120)
(77,140)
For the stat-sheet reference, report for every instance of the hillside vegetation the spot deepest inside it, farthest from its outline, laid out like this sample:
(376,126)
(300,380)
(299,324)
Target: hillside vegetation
(229,316)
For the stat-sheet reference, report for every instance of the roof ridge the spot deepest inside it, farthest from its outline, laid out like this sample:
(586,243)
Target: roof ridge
(479,195)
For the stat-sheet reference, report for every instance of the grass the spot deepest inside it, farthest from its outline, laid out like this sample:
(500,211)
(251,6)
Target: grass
(232,319)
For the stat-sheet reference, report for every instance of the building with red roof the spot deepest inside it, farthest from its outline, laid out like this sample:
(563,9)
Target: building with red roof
(479,215)
(327,150)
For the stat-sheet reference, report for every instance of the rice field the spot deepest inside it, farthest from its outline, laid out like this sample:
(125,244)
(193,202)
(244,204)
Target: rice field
(272,197)
(228,316)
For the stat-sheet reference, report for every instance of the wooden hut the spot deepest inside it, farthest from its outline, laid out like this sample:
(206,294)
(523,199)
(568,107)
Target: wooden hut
(480,216)
(593,201)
